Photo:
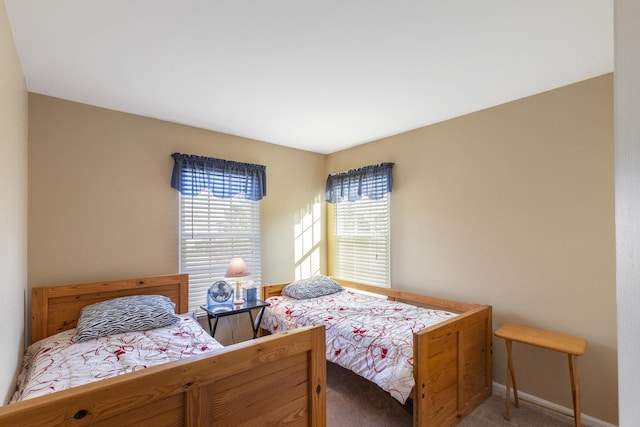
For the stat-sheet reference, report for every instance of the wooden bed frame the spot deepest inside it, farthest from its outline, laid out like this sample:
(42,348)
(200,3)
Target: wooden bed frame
(274,380)
(452,360)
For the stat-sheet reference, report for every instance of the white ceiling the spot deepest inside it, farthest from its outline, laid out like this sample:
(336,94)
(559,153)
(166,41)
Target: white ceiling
(318,75)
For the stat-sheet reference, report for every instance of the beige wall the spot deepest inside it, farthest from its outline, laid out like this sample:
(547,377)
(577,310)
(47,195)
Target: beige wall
(13,208)
(101,205)
(514,207)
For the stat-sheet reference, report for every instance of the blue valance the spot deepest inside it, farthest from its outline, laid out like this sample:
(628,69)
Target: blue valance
(224,178)
(371,181)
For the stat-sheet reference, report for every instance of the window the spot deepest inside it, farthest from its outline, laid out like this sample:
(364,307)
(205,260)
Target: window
(362,249)
(219,220)
(362,224)
(212,231)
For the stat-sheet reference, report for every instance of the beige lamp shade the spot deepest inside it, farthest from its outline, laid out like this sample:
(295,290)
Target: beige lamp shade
(237,269)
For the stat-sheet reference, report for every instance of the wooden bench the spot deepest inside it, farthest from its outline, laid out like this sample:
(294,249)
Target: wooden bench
(572,346)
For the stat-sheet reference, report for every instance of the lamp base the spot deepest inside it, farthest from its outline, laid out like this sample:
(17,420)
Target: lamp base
(238,292)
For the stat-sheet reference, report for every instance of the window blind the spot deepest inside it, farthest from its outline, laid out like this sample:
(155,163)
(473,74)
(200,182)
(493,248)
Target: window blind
(362,241)
(212,231)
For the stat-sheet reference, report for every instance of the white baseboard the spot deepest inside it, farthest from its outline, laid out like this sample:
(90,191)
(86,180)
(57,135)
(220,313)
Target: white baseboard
(587,421)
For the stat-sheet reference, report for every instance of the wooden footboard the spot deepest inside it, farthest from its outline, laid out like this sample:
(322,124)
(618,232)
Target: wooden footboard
(452,360)
(274,380)
(452,368)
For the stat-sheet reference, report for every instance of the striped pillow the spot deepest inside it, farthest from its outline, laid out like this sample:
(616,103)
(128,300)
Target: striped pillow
(312,287)
(125,314)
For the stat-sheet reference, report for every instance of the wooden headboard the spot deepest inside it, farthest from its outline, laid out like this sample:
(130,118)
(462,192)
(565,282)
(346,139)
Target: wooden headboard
(268,291)
(57,308)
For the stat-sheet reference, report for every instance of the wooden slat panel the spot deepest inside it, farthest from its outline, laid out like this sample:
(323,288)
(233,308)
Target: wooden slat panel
(475,354)
(296,368)
(55,291)
(318,383)
(443,347)
(171,290)
(477,374)
(196,404)
(477,350)
(474,387)
(442,376)
(39,310)
(475,334)
(269,291)
(240,401)
(292,413)
(442,407)
(163,413)
(474,367)
(441,367)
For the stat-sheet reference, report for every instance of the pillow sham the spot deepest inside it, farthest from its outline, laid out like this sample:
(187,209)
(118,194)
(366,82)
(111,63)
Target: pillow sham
(125,314)
(312,287)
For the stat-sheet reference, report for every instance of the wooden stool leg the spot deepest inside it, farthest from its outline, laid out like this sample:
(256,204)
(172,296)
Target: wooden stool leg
(511,380)
(575,388)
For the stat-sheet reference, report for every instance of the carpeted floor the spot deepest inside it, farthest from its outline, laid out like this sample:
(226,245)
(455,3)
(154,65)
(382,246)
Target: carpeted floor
(354,401)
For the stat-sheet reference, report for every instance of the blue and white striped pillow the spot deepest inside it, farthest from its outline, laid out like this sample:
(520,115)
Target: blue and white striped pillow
(125,314)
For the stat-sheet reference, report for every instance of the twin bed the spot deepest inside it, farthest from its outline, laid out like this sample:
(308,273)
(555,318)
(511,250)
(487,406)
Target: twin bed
(275,380)
(439,357)
(279,379)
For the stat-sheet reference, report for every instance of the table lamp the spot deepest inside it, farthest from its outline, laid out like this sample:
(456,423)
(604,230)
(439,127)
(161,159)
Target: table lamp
(237,269)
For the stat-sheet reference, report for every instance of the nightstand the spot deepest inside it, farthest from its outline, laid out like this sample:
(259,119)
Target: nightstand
(215,312)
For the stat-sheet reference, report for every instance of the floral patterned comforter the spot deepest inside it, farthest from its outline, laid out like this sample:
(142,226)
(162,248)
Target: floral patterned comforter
(371,336)
(59,362)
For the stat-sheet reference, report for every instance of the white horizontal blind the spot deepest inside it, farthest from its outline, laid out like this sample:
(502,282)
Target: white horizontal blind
(212,231)
(362,241)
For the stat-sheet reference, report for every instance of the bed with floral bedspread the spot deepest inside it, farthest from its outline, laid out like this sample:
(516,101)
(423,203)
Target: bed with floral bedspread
(371,336)
(92,342)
